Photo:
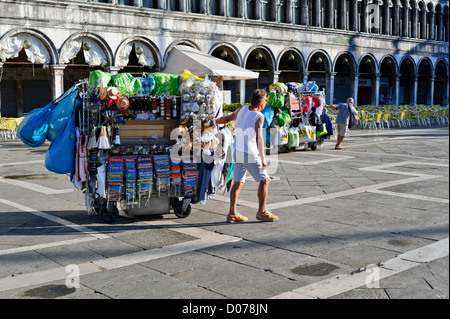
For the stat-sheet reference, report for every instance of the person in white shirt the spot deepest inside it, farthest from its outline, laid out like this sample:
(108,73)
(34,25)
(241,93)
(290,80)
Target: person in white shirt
(249,155)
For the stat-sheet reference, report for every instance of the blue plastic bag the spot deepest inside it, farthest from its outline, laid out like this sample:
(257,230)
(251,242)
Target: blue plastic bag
(61,114)
(33,129)
(268,113)
(60,157)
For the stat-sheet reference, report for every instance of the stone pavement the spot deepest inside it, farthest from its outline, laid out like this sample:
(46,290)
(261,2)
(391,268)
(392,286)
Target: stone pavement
(368,222)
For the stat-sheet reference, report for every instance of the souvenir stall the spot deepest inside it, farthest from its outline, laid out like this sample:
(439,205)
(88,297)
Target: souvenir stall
(298,115)
(145,145)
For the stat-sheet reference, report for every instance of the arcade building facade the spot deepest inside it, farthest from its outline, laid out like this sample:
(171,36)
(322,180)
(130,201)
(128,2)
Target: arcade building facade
(351,48)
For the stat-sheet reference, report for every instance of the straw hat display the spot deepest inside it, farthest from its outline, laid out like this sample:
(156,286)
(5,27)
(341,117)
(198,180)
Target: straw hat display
(100,93)
(124,103)
(113,93)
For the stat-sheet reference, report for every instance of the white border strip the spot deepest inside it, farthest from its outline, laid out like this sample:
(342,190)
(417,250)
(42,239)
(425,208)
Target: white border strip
(210,239)
(22,163)
(35,187)
(48,245)
(413,196)
(337,285)
(55,219)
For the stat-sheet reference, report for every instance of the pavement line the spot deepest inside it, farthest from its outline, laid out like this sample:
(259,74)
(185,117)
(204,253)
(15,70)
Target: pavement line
(55,219)
(22,163)
(413,196)
(417,177)
(47,245)
(371,275)
(59,273)
(390,140)
(240,201)
(349,192)
(313,161)
(35,187)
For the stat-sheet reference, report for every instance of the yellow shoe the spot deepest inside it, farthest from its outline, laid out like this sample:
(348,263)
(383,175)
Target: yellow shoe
(237,218)
(266,216)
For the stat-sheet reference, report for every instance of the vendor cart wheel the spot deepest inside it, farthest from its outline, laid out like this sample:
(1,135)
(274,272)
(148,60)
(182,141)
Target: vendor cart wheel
(314,146)
(183,214)
(109,213)
(179,211)
(98,203)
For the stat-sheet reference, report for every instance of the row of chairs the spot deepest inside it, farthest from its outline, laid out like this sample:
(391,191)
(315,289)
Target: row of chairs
(402,116)
(9,126)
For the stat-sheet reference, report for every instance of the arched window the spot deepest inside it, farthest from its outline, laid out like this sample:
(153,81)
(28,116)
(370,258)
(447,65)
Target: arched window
(423,84)
(344,78)
(430,22)
(440,83)
(149,3)
(232,8)
(265,10)
(438,23)
(296,12)
(446,25)
(281,10)
(250,9)
(406,90)
(125,2)
(193,6)
(385,18)
(422,21)
(213,7)
(172,5)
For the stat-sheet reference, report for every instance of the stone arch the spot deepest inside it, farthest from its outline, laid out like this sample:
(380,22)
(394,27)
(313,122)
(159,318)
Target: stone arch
(174,44)
(151,56)
(39,38)
(94,40)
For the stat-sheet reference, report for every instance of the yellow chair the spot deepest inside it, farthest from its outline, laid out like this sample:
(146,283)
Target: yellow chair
(374,119)
(3,127)
(427,117)
(417,116)
(408,119)
(363,119)
(386,118)
(11,128)
(445,116)
(19,120)
(399,118)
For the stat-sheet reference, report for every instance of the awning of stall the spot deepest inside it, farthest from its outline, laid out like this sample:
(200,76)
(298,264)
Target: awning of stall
(183,57)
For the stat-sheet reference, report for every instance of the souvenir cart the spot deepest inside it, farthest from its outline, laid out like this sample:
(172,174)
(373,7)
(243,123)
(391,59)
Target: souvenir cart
(136,144)
(299,116)
(154,138)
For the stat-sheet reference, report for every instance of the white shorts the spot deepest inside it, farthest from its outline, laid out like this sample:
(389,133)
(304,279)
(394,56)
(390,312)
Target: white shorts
(342,129)
(247,163)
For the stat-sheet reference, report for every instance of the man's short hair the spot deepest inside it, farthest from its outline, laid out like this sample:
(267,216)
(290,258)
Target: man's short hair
(257,96)
(350,99)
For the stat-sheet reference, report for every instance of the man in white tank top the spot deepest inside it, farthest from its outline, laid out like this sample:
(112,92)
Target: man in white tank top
(249,154)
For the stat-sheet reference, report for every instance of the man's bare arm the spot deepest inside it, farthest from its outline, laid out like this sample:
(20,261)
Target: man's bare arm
(260,140)
(228,118)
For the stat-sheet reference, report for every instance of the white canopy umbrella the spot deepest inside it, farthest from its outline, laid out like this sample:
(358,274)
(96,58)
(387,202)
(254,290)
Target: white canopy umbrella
(184,57)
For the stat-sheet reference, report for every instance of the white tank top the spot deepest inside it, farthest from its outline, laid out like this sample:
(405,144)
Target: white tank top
(245,134)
